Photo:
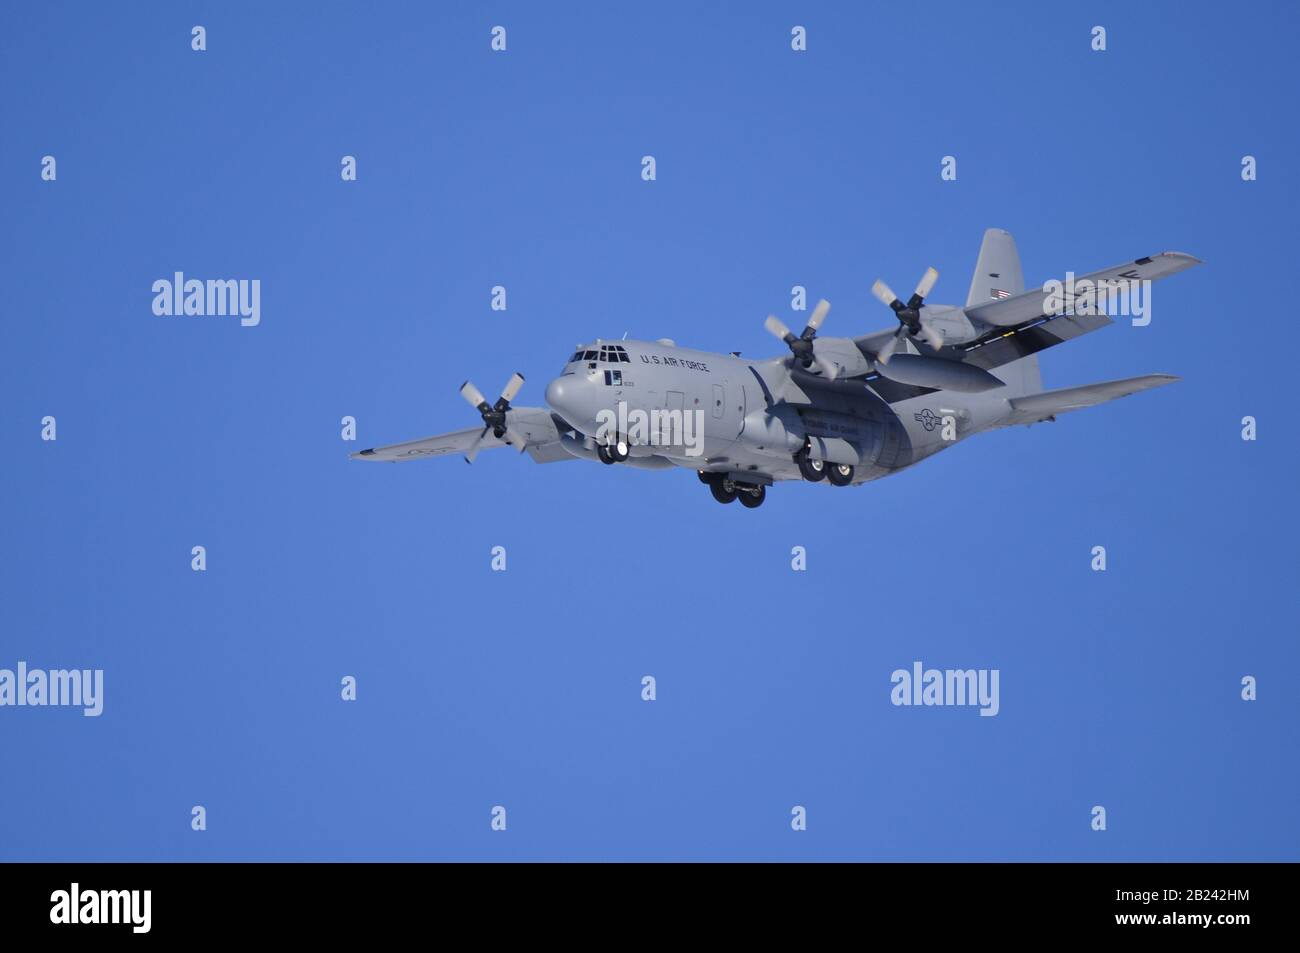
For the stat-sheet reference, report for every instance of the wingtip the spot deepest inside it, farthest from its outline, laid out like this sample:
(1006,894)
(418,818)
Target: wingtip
(1157,380)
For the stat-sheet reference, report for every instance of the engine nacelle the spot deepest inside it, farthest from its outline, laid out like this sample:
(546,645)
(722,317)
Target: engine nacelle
(950,321)
(841,356)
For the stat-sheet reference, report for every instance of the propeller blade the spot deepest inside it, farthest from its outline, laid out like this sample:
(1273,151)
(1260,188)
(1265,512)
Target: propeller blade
(472,452)
(886,352)
(884,293)
(927,282)
(512,387)
(473,396)
(819,314)
(932,335)
(517,440)
(777,327)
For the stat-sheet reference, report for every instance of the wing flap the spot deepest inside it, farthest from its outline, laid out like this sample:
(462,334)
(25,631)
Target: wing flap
(1014,344)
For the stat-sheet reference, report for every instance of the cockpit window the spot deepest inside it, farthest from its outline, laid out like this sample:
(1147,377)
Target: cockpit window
(606,354)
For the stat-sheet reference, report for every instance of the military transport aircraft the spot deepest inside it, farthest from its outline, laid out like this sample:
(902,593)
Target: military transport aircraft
(846,410)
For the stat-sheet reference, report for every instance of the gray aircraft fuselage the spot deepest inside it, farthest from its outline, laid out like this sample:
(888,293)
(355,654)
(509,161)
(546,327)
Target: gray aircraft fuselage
(746,432)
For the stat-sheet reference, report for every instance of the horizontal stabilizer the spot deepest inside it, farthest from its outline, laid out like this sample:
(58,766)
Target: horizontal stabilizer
(1045,406)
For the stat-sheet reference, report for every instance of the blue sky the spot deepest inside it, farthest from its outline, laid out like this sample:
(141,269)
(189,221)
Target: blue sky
(522,688)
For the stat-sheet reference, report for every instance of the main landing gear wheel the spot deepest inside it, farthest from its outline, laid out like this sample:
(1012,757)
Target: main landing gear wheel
(810,469)
(721,491)
(725,490)
(840,474)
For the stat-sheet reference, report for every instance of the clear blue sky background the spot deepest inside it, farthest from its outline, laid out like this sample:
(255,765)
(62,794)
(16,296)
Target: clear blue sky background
(523,688)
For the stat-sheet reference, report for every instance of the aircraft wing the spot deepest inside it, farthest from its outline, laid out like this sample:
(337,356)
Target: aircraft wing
(535,423)
(1045,406)
(458,441)
(1031,305)
(1018,325)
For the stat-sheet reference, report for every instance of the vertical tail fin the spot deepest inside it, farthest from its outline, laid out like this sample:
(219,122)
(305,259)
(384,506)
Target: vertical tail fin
(998,275)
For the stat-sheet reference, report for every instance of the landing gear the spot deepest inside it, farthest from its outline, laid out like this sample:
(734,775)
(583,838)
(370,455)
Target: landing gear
(810,469)
(840,474)
(615,452)
(725,490)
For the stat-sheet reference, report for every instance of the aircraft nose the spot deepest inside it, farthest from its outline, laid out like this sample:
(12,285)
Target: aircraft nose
(572,397)
(556,393)
(564,394)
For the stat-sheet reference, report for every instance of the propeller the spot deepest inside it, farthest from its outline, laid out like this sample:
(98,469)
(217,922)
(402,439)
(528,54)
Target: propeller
(494,415)
(909,315)
(801,345)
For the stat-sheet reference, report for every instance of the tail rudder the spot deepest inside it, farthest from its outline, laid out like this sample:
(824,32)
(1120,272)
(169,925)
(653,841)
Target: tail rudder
(998,275)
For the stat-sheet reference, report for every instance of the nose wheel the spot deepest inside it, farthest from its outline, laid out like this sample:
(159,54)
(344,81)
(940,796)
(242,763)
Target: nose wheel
(615,452)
